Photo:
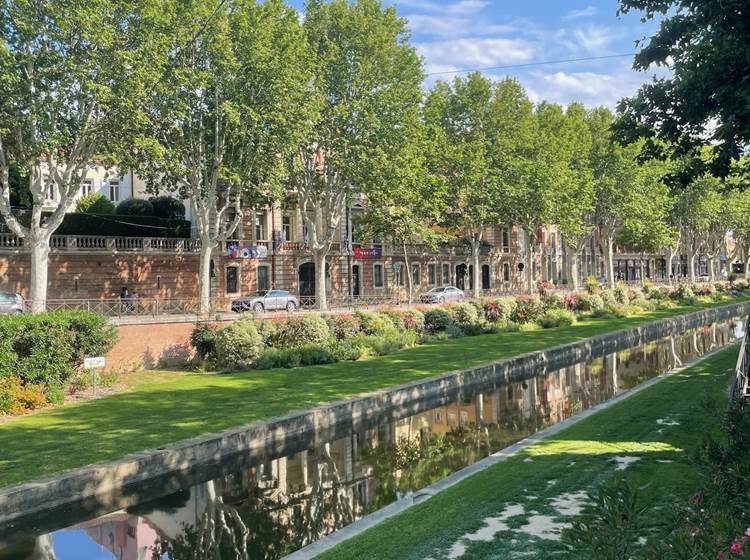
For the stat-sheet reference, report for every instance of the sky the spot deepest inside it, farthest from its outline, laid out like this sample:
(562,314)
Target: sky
(471,34)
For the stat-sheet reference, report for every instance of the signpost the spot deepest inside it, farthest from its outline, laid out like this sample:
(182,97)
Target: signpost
(93,364)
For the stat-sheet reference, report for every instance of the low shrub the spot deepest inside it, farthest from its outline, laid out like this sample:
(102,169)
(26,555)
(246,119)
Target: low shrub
(499,310)
(684,294)
(621,293)
(17,397)
(529,309)
(349,349)
(310,328)
(570,300)
(740,284)
(659,294)
(268,331)
(316,354)
(437,319)
(396,318)
(238,345)
(592,285)
(704,289)
(557,318)
(608,297)
(721,287)
(464,314)
(374,323)
(454,331)
(554,301)
(413,320)
(343,326)
(638,299)
(588,302)
(94,203)
(135,207)
(203,339)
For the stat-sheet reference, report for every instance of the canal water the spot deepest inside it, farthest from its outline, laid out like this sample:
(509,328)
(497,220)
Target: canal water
(267,507)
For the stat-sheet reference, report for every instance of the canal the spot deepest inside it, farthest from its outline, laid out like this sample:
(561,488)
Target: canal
(266,507)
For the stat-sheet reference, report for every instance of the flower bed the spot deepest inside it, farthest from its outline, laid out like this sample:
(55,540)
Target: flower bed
(321,339)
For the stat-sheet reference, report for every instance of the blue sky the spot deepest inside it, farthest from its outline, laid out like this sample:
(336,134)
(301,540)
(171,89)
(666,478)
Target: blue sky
(468,34)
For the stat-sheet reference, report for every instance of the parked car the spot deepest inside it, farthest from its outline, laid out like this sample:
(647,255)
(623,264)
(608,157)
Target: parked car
(272,300)
(442,294)
(11,303)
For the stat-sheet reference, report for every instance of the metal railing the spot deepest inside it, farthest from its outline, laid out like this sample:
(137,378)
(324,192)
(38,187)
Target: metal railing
(132,307)
(741,386)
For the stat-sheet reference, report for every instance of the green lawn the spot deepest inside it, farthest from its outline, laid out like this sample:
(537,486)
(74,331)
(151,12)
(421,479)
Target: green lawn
(516,508)
(154,414)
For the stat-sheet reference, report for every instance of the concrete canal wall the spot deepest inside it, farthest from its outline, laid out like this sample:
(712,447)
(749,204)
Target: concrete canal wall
(107,484)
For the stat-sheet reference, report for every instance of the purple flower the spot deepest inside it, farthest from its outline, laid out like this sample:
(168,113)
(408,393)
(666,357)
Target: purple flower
(698,498)
(747,532)
(736,547)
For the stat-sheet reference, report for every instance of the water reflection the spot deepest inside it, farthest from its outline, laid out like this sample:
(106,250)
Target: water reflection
(268,509)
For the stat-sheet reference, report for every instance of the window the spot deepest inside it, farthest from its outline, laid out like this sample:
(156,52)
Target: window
(114,191)
(286,227)
(260,226)
(398,274)
(446,273)
(51,191)
(263,279)
(377,275)
(86,187)
(416,274)
(431,274)
(232,277)
(464,418)
(505,240)
(506,272)
(438,416)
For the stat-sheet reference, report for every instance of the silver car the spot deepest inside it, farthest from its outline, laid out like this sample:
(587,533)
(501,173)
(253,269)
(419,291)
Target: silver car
(443,294)
(273,300)
(11,303)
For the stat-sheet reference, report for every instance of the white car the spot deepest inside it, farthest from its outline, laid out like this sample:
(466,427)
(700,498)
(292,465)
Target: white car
(443,294)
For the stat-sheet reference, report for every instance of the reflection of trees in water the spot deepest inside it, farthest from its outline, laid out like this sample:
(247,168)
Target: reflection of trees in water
(259,525)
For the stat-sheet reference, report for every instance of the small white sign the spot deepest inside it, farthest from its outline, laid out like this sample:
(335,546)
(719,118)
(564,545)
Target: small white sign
(93,363)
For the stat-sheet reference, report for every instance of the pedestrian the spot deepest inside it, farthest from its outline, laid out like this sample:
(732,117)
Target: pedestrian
(134,301)
(124,299)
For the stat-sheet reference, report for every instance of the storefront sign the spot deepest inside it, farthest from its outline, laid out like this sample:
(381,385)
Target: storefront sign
(254,252)
(374,253)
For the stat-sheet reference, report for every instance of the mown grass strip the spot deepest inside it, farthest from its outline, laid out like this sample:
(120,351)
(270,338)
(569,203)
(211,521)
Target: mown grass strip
(184,405)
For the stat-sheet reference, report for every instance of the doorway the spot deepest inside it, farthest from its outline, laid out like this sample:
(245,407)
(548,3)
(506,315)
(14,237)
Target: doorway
(355,280)
(461,272)
(307,280)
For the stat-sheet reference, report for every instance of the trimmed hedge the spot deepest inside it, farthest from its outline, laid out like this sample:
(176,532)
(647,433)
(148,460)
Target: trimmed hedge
(135,207)
(168,207)
(123,226)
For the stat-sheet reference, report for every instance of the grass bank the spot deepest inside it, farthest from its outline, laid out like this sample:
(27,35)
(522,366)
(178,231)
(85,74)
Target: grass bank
(171,406)
(517,508)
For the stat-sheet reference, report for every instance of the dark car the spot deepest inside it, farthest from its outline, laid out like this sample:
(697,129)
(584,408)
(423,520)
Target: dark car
(11,303)
(274,300)
(442,294)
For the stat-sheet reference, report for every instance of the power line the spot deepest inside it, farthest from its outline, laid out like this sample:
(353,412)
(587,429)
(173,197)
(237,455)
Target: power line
(531,64)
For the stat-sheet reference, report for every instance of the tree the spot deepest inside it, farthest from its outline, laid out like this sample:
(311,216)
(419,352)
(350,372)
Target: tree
(699,209)
(706,45)
(407,201)
(367,81)
(73,74)
(574,201)
(543,180)
(478,127)
(232,103)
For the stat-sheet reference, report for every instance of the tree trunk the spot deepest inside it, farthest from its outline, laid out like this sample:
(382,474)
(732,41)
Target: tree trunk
(204,280)
(574,271)
(321,297)
(711,269)
(672,253)
(476,247)
(38,288)
(691,266)
(643,269)
(409,286)
(609,265)
(529,266)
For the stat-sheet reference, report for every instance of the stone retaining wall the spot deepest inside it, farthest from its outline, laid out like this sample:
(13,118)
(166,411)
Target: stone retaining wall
(106,483)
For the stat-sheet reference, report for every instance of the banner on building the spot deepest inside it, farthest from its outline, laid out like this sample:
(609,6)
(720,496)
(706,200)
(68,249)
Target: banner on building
(253,252)
(374,253)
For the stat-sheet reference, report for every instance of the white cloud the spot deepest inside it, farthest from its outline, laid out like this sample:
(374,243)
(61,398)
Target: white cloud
(441,26)
(474,52)
(586,12)
(462,7)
